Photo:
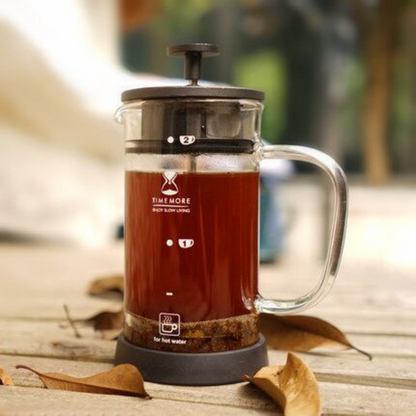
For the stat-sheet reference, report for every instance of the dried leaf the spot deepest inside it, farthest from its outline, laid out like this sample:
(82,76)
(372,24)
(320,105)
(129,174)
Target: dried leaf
(124,380)
(108,287)
(293,387)
(302,333)
(109,324)
(105,320)
(5,379)
(110,334)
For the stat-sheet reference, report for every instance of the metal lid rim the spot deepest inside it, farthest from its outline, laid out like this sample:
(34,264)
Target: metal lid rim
(191,92)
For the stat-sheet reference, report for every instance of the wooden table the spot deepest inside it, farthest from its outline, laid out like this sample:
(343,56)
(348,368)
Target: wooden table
(373,303)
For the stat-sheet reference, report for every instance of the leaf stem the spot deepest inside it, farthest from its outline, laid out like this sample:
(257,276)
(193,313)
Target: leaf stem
(367,354)
(25,367)
(71,322)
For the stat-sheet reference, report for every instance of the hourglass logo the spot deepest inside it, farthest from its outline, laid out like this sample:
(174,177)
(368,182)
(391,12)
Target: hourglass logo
(169,187)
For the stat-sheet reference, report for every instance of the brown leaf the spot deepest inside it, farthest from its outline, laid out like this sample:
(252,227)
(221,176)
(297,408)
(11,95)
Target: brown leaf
(110,334)
(109,324)
(124,380)
(293,387)
(5,379)
(108,287)
(106,320)
(302,333)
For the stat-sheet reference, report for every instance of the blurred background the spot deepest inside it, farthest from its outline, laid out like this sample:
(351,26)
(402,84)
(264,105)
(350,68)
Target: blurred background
(339,76)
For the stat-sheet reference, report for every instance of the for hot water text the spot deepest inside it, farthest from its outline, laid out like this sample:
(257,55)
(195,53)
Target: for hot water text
(169,340)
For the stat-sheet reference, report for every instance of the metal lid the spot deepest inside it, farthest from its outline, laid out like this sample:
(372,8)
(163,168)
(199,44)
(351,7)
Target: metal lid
(193,54)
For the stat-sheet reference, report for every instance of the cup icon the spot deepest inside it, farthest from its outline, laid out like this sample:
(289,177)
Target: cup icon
(169,324)
(186,242)
(169,328)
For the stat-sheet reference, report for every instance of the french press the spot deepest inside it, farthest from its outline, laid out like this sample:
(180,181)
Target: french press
(191,229)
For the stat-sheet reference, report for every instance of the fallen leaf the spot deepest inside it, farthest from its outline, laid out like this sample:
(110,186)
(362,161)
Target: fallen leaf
(108,286)
(302,333)
(105,320)
(109,324)
(5,379)
(124,380)
(110,334)
(292,386)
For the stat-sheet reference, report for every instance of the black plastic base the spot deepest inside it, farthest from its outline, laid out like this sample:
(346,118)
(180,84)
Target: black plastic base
(193,369)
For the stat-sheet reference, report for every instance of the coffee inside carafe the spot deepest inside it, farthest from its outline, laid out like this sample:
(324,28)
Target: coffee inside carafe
(195,275)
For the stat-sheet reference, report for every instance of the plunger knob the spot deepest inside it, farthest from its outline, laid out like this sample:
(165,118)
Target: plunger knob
(193,53)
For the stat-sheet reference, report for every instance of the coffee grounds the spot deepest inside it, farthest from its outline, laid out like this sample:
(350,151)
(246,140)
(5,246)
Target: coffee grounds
(195,337)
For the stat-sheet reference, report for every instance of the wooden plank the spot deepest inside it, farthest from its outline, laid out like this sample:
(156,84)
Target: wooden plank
(367,299)
(377,303)
(358,321)
(376,289)
(49,306)
(345,400)
(37,338)
(351,369)
(351,323)
(25,378)
(361,311)
(46,339)
(389,326)
(45,272)
(61,273)
(337,399)
(38,280)
(38,306)
(385,345)
(229,395)
(18,400)
(238,399)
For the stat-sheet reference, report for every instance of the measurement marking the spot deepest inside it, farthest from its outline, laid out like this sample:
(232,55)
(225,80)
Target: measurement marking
(169,243)
(187,140)
(171,206)
(169,294)
(170,139)
(185,242)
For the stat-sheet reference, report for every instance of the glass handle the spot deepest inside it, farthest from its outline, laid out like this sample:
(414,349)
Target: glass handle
(337,234)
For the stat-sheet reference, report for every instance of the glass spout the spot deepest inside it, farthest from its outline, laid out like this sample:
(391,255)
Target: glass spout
(118,115)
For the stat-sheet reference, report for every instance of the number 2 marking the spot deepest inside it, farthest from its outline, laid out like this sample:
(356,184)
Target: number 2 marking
(187,140)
